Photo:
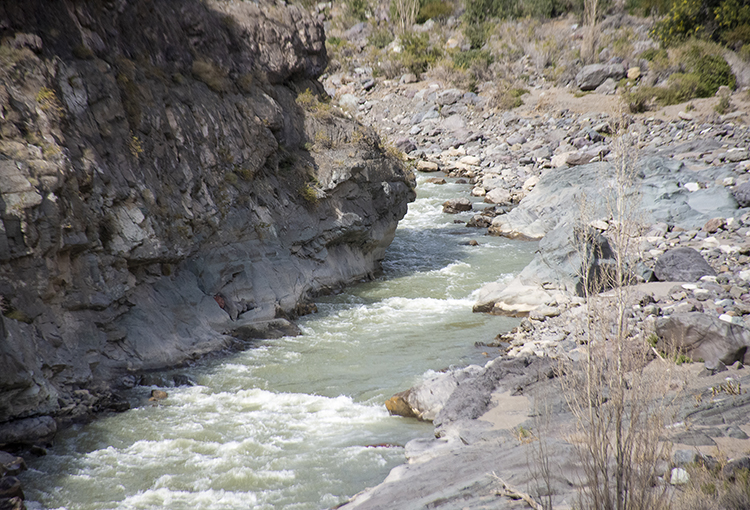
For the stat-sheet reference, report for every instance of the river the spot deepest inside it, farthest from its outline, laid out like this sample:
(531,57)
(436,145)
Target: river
(297,423)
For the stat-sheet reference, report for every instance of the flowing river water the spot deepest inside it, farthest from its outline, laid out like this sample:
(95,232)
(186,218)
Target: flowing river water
(297,423)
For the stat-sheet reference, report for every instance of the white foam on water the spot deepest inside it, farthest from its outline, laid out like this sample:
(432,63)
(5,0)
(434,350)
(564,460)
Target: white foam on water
(287,424)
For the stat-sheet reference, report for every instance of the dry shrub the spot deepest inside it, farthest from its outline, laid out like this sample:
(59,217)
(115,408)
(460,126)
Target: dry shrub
(615,393)
(591,30)
(506,97)
(446,72)
(210,74)
(710,489)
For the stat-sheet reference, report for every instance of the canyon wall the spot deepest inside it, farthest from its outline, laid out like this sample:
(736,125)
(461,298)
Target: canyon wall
(169,174)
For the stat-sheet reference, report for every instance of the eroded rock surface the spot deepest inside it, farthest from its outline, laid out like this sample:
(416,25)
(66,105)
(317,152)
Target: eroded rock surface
(161,187)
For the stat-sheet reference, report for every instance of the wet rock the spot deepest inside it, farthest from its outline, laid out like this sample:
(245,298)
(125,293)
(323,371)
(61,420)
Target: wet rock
(457,205)
(10,487)
(158,395)
(11,464)
(398,405)
(682,265)
(436,180)
(28,431)
(427,166)
(12,504)
(479,221)
(274,328)
(425,400)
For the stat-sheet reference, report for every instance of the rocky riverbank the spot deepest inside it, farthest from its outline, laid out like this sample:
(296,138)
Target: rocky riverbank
(534,166)
(168,186)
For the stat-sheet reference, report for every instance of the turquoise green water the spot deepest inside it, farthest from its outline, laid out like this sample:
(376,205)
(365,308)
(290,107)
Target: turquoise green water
(298,423)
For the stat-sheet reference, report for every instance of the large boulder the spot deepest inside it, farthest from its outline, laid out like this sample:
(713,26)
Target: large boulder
(449,96)
(703,337)
(457,205)
(742,194)
(498,196)
(682,265)
(31,431)
(424,401)
(551,211)
(591,76)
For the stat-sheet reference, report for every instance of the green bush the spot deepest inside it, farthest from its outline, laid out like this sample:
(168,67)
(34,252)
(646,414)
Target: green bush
(360,9)
(539,8)
(712,72)
(381,38)
(417,54)
(465,59)
(478,11)
(719,20)
(704,72)
(649,7)
(476,34)
(434,9)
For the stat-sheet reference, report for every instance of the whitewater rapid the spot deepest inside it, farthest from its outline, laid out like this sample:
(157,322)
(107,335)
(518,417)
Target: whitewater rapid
(297,423)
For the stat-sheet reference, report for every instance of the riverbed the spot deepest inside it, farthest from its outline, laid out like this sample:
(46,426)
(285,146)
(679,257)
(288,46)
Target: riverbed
(298,422)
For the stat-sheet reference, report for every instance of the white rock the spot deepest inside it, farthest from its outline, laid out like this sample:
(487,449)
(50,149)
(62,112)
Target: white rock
(599,224)
(729,249)
(745,275)
(478,191)
(710,242)
(560,160)
(427,166)
(730,319)
(728,181)
(470,160)
(529,183)
(689,286)
(692,186)
(498,196)
(679,477)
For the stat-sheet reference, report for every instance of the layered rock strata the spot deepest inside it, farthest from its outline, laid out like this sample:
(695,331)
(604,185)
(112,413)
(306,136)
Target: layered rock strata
(168,176)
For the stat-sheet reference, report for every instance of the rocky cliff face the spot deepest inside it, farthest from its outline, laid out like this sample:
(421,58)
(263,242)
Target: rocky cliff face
(161,185)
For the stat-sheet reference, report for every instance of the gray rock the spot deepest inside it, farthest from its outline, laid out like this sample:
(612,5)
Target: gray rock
(607,88)
(349,102)
(152,229)
(730,468)
(741,193)
(702,336)
(498,196)
(28,431)
(11,464)
(457,205)
(405,145)
(274,328)
(682,265)
(591,76)
(427,399)
(448,97)
(515,138)
(549,211)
